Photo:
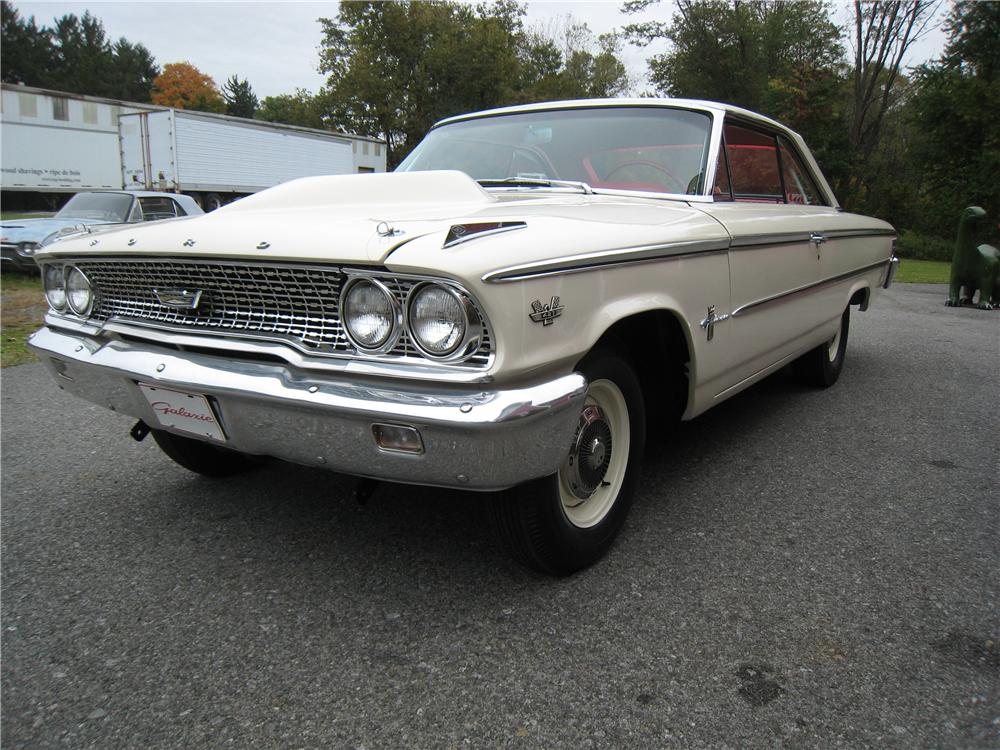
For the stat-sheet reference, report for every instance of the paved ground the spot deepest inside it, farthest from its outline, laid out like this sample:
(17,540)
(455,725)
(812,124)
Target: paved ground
(801,569)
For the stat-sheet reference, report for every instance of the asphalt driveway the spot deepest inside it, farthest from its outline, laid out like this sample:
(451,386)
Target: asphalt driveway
(801,569)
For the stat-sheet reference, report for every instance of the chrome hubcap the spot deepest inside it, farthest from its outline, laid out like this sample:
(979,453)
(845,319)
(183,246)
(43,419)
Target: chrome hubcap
(590,456)
(591,476)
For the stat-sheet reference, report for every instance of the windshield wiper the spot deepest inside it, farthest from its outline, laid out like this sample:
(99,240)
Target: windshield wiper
(535,182)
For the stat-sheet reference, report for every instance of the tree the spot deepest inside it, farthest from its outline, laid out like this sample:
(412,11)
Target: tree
(396,68)
(27,49)
(241,101)
(782,59)
(299,108)
(75,56)
(133,70)
(884,31)
(183,86)
(956,133)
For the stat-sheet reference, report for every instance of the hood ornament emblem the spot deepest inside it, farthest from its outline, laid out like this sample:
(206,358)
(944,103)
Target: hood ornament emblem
(188,243)
(385,229)
(545,314)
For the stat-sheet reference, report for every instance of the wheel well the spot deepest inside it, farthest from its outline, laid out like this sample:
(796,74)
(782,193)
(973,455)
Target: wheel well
(861,298)
(655,344)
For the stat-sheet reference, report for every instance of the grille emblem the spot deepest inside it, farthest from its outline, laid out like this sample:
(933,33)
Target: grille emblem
(179,299)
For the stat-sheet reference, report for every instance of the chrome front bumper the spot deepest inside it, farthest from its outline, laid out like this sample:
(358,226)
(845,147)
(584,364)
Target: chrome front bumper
(472,438)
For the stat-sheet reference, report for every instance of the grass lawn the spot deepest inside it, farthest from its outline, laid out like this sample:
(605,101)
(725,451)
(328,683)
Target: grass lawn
(10,215)
(22,307)
(923,272)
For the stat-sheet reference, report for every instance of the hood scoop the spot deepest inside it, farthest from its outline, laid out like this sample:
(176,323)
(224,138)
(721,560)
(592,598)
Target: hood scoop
(390,195)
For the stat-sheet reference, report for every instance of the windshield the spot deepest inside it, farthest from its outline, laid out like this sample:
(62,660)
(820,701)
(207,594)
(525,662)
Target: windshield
(653,149)
(110,207)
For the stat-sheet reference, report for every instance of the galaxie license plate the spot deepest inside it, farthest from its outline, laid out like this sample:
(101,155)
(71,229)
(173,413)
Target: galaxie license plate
(186,412)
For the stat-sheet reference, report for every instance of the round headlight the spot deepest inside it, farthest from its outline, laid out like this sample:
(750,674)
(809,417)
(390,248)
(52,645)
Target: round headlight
(55,287)
(438,320)
(79,294)
(371,314)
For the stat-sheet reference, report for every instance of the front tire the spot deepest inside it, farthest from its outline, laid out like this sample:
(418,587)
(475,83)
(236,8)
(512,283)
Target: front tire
(204,458)
(820,367)
(565,522)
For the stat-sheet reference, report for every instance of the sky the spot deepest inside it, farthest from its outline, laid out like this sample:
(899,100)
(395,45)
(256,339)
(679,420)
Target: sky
(274,44)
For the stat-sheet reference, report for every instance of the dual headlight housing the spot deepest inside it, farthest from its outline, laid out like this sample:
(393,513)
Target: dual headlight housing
(68,288)
(441,320)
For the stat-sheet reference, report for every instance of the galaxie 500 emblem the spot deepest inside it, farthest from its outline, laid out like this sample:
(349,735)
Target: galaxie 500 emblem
(180,299)
(545,314)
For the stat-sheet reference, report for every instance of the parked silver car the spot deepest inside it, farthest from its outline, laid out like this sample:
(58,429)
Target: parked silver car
(22,238)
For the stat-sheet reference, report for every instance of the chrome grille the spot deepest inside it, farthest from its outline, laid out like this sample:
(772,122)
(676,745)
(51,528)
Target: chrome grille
(299,305)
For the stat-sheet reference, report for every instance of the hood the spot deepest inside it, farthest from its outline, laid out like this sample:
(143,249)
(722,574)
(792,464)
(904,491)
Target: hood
(16,231)
(398,219)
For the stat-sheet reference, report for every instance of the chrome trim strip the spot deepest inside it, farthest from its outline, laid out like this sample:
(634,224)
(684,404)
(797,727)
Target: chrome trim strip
(743,309)
(412,369)
(605,259)
(794,238)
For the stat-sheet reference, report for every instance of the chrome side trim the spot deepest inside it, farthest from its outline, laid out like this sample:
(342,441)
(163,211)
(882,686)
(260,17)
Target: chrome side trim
(795,238)
(605,259)
(750,306)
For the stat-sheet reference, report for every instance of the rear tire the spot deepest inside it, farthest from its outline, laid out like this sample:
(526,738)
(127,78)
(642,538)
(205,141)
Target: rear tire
(204,458)
(211,201)
(565,522)
(820,367)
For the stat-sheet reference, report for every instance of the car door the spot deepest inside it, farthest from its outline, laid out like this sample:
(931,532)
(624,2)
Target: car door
(774,257)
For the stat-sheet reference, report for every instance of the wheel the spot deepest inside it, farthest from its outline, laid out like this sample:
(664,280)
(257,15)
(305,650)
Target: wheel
(211,201)
(821,366)
(567,521)
(204,458)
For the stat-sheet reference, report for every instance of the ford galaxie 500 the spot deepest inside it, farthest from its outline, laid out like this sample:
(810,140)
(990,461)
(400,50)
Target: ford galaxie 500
(510,310)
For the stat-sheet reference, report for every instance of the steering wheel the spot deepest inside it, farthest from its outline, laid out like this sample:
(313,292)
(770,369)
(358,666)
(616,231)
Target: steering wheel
(652,165)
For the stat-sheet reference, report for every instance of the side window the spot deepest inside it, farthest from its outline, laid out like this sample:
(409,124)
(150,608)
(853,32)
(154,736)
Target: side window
(157,208)
(722,190)
(753,166)
(799,186)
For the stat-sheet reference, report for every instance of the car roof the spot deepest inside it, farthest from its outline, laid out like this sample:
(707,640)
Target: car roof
(698,104)
(137,193)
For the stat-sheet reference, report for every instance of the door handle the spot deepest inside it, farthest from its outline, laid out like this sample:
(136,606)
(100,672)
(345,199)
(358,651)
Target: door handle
(817,239)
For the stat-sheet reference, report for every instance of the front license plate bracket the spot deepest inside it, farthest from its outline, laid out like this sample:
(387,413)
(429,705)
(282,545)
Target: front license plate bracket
(190,413)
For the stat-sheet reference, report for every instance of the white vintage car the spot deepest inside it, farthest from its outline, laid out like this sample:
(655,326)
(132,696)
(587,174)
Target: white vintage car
(508,311)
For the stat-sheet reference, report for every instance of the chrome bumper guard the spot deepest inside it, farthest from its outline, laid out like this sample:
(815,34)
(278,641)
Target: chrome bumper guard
(472,439)
(890,272)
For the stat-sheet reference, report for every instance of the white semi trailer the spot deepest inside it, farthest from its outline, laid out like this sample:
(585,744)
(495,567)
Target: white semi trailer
(54,142)
(215,158)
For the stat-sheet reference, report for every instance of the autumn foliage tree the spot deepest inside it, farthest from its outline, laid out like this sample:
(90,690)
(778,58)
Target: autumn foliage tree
(183,86)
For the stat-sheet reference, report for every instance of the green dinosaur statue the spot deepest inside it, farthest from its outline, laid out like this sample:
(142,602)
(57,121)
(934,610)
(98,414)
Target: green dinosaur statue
(973,267)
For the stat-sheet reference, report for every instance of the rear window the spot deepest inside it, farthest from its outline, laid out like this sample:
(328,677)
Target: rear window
(753,165)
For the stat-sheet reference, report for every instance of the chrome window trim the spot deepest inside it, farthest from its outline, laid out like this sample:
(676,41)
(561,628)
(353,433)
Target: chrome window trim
(606,258)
